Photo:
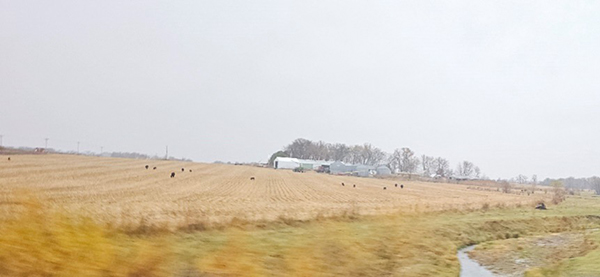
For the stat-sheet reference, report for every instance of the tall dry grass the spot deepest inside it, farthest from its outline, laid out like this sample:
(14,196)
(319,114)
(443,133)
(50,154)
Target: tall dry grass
(40,242)
(45,241)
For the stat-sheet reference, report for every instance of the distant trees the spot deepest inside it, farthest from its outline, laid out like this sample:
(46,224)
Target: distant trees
(595,184)
(299,148)
(521,179)
(533,182)
(442,167)
(401,160)
(466,169)
(427,165)
(339,152)
(404,160)
(357,154)
(591,183)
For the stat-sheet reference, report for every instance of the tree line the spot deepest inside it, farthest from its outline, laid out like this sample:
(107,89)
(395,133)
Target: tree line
(400,160)
(592,183)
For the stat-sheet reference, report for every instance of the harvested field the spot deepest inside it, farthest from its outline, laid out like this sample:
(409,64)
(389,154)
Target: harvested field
(122,191)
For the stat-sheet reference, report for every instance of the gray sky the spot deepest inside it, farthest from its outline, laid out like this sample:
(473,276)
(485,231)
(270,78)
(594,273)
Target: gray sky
(512,86)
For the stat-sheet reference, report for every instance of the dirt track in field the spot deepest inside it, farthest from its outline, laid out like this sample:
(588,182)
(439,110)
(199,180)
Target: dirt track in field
(119,190)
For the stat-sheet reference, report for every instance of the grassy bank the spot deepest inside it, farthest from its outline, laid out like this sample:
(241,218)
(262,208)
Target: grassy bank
(585,265)
(45,242)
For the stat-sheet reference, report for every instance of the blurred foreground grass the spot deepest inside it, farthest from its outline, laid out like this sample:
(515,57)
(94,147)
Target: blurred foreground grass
(44,241)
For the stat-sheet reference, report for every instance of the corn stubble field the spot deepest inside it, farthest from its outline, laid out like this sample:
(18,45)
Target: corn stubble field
(122,191)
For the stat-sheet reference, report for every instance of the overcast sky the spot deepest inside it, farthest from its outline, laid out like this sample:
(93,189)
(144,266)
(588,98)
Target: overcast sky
(513,87)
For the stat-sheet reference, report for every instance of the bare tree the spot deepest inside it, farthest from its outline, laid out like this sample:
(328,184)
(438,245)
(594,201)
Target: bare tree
(442,167)
(521,179)
(465,169)
(371,155)
(477,172)
(427,165)
(318,151)
(339,152)
(299,148)
(534,181)
(404,160)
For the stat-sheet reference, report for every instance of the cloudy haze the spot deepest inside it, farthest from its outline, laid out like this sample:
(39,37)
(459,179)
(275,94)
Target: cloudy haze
(513,87)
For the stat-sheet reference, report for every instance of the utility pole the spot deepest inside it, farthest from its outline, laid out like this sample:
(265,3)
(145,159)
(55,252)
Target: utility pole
(46,145)
(78,147)
(167,154)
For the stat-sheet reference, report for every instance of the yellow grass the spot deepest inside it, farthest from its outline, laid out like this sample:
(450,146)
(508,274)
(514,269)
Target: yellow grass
(85,216)
(122,192)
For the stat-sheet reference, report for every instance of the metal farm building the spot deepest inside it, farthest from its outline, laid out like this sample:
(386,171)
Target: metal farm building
(291,163)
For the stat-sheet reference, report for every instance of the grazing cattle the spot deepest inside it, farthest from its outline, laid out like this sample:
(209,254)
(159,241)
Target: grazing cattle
(396,185)
(343,185)
(172,174)
(540,206)
(401,186)
(190,170)
(182,169)
(252,179)
(353,186)
(146,166)
(9,159)
(384,188)
(154,168)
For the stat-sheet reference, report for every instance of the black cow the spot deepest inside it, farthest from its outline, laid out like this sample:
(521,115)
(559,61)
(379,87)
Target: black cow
(146,166)
(540,206)
(172,174)
(154,168)
(190,170)
(401,186)
(182,169)
(384,188)
(353,186)
(396,185)
(252,179)
(9,159)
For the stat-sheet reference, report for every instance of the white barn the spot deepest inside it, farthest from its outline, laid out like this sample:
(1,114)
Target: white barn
(291,163)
